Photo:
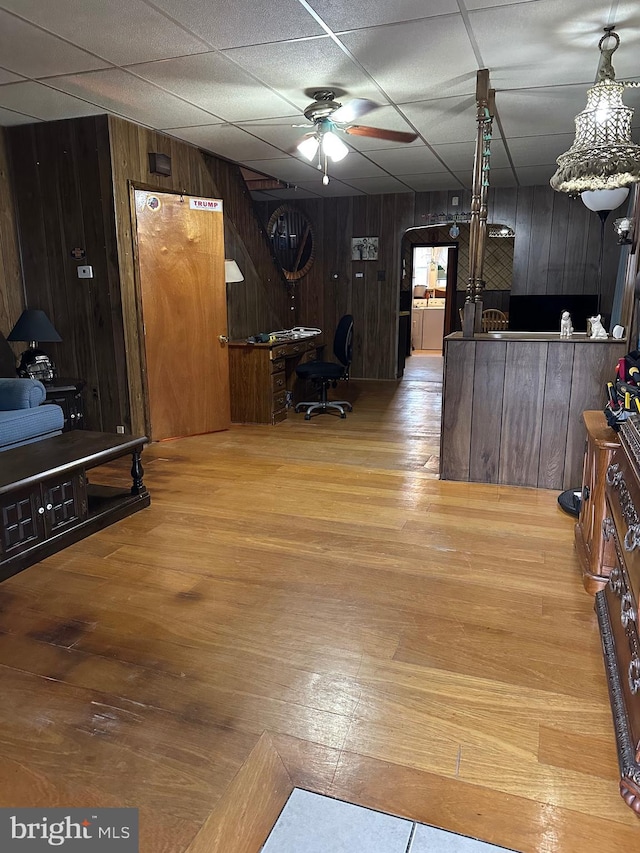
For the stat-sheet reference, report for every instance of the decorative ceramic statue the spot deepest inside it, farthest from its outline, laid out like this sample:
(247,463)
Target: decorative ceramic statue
(566,329)
(597,329)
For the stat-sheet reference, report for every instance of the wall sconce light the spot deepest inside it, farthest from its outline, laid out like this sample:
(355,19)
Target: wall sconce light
(603,155)
(623,228)
(232,271)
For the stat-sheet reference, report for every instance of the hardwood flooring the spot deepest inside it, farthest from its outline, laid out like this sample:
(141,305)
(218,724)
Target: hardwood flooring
(308,605)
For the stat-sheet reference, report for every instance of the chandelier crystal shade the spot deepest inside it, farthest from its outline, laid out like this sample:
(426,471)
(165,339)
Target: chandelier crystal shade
(603,155)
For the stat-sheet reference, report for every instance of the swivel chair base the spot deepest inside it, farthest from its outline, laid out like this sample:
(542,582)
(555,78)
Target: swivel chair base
(321,406)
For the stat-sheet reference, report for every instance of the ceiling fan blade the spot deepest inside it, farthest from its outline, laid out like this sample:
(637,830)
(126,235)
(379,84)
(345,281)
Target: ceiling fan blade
(380,133)
(354,109)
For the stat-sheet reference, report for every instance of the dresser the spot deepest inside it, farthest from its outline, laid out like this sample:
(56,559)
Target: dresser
(263,381)
(616,601)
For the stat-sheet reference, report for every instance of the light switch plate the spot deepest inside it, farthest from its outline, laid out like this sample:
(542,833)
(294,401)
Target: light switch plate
(85,272)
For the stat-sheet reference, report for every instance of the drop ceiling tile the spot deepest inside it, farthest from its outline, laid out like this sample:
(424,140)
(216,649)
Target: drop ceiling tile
(465,178)
(444,119)
(43,102)
(289,169)
(8,118)
(333,188)
(407,160)
(353,166)
(514,39)
(432,57)
(8,77)
(460,155)
(294,69)
(430,181)
(227,141)
(539,150)
(362,13)
(535,176)
(483,4)
(121,31)
(119,92)
(33,53)
(243,22)
(280,132)
(540,112)
(385,184)
(214,83)
(292,193)
(502,178)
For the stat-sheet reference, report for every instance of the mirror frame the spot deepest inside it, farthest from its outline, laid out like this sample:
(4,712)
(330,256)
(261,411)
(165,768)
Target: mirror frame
(296,218)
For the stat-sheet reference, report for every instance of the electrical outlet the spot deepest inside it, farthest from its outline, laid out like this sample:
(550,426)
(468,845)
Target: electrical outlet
(120,430)
(455,201)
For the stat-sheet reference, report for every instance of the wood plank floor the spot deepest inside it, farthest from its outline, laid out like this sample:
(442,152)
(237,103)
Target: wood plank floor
(308,605)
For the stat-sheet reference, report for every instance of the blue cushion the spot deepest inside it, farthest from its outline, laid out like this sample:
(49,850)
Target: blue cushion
(21,426)
(20,394)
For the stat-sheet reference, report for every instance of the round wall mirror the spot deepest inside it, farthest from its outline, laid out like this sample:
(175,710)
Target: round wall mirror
(293,241)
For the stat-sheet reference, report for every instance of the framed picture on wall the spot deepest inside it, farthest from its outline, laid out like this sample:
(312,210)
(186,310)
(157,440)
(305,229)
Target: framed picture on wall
(364,248)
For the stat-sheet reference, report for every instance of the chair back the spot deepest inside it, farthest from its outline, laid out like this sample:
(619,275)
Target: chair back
(494,320)
(343,340)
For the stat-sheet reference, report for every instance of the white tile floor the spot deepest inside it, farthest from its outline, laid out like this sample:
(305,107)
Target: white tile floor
(310,823)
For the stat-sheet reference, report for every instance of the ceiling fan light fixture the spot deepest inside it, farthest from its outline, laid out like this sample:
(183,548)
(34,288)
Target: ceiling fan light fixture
(308,147)
(334,147)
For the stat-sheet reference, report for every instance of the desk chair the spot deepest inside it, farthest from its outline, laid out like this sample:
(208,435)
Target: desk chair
(326,373)
(494,320)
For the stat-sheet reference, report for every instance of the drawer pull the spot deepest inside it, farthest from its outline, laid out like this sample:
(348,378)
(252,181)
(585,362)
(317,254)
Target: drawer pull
(627,610)
(607,528)
(615,580)
(613,475)
(279,382)
(632,538)
(634,675)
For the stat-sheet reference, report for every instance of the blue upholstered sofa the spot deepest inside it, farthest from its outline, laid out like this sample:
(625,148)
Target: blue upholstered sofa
(22,417)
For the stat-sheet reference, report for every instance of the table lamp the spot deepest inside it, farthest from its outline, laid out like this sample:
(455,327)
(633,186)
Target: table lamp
(34,326)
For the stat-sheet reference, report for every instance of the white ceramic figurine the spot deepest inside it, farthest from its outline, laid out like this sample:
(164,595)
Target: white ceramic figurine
(566,329)
(597,329)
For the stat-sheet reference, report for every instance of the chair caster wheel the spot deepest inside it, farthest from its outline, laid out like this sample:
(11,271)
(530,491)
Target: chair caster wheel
(307,417)
(343,415)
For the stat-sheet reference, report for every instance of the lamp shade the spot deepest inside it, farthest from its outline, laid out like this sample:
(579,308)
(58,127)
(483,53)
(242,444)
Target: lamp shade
(603,155)
(34,325)
(608,200)
(232,271)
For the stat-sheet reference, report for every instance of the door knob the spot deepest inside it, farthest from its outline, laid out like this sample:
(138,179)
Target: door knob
(223,339)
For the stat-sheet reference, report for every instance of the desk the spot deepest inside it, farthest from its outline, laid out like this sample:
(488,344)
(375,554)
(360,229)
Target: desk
(261,375)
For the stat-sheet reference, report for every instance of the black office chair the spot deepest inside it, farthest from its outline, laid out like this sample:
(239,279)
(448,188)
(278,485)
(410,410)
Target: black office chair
(326,373)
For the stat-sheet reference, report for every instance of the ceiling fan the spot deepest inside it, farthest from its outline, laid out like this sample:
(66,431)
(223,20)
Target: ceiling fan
(328,116)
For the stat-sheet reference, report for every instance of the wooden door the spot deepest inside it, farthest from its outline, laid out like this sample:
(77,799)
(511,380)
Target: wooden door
(180,246)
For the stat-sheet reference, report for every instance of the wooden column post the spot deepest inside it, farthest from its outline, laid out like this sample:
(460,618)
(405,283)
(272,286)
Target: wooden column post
(485,108)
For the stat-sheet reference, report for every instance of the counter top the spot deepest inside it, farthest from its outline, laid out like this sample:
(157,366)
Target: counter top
(576,337)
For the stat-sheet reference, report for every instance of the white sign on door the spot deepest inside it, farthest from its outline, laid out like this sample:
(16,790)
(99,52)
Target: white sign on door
(214,204)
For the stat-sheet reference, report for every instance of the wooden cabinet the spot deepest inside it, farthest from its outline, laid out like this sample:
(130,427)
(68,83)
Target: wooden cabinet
(263,380)
(47,501)
(613,525)
(33,514)
(596,553)
(67,393)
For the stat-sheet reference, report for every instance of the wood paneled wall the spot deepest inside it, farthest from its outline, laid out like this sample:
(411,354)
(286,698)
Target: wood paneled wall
(555,251)
(71,188)
(512,410)
(257,303)
(11,293)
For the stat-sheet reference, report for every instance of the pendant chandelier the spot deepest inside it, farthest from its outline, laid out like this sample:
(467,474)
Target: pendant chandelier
(603,155)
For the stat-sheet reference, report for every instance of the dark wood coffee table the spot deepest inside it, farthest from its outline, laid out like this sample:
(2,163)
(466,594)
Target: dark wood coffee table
(47,501)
